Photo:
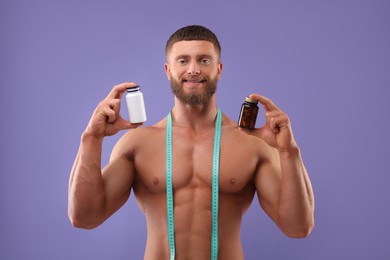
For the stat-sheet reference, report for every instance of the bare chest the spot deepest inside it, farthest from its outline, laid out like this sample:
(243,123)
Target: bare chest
(192,163)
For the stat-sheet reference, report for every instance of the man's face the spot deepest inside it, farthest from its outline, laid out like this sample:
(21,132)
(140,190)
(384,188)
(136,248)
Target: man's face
(193,68)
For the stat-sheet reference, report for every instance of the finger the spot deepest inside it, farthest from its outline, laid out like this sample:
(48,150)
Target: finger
(109,109)
(118,90)
(114,104)
(124,124)
(266,102)
(278,122)
(273,113)
(274,124)
(109,114)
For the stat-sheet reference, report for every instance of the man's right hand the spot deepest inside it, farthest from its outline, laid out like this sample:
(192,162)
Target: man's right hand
(106,120)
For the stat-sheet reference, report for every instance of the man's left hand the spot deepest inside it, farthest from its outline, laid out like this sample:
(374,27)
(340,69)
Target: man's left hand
(276,131)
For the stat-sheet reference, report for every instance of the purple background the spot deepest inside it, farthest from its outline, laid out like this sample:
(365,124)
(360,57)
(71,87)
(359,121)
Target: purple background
(326,63)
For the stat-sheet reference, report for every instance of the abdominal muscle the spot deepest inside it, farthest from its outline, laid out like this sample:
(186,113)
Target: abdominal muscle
(192,212)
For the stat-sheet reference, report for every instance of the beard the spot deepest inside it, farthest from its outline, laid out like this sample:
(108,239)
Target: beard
(199,97)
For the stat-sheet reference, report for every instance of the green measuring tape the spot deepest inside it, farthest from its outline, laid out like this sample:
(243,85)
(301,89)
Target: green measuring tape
(215,187)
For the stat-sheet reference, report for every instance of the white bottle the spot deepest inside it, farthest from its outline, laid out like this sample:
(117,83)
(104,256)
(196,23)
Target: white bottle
(135,105)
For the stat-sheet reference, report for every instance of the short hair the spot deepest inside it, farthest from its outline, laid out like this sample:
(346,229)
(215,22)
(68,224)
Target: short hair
(193,33)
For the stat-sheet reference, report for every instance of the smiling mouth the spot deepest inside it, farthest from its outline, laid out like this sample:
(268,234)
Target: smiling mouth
(194,81)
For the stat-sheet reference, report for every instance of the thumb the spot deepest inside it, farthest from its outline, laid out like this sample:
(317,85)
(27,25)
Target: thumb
(124,124)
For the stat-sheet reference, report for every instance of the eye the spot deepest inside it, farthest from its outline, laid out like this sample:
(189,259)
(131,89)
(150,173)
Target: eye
(181,61)
(205,61)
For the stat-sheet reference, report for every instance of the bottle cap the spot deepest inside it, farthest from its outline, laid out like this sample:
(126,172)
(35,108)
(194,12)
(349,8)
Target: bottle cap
(133,88)
(248,99)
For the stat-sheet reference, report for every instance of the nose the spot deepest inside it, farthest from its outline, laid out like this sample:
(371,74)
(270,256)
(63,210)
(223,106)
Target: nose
(193,68)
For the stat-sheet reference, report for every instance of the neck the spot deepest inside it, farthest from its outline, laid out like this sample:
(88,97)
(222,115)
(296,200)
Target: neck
(194,117)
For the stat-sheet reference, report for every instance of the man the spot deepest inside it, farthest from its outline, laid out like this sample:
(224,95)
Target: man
(265,161)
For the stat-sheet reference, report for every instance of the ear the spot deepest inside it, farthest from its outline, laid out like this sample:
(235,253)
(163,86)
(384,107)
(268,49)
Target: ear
(167,71)
(219,69)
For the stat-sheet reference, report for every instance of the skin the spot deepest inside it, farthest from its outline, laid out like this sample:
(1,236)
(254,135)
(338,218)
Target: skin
(264,161)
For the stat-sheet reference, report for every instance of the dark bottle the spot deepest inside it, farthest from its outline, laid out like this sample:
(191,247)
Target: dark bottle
(248,114)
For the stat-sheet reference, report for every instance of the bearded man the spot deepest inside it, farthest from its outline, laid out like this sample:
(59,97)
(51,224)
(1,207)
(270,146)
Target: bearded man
(195,173)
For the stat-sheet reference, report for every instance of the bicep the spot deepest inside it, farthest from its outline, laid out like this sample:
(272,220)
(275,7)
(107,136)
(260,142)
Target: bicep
(268,183)
(118,177)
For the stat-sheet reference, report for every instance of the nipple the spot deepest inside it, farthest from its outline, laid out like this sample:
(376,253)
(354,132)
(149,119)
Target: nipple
(155,181)
(232,181)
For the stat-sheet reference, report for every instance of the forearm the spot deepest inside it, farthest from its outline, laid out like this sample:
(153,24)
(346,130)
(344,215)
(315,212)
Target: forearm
(296,205)
(86,187)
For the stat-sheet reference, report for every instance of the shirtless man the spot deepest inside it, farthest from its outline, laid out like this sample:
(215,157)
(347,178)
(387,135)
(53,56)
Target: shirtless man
(264,161)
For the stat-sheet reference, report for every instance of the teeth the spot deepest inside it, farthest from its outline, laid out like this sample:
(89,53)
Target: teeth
(194,81)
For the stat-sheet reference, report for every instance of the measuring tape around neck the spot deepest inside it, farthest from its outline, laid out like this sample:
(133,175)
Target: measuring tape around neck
(215,187)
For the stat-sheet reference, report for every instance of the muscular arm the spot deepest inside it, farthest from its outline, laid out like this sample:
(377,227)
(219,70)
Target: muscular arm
(285,192)
(282,182)
(95,194)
